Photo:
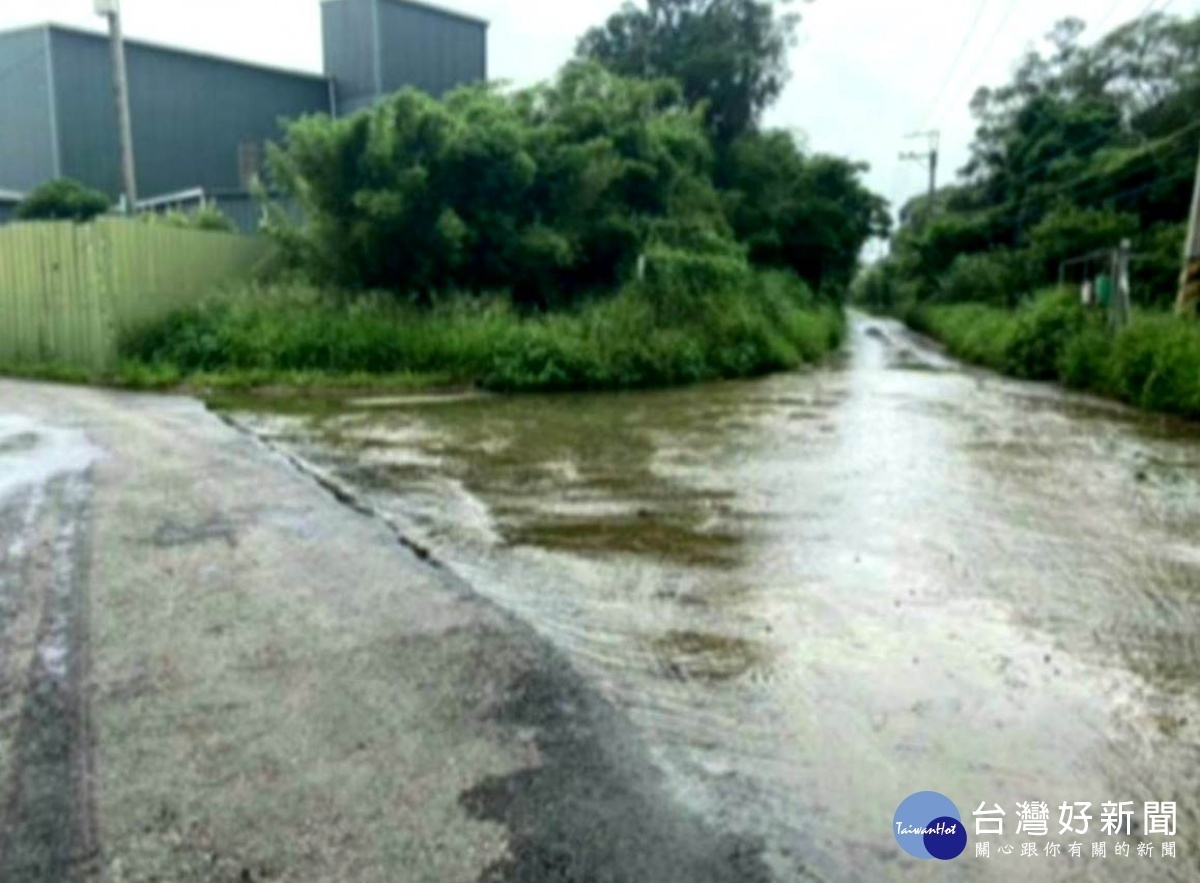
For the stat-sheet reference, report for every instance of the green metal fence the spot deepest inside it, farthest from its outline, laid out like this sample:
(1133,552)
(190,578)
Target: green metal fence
(67,290)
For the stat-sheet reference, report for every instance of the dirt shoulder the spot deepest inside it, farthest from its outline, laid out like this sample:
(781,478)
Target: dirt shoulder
(253,681)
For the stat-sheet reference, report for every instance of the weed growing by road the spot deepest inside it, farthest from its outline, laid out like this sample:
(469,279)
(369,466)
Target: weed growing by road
(769,321)
(1153,363)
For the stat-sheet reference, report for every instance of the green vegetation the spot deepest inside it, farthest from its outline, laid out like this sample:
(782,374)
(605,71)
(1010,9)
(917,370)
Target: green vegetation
(1088,145)
(63,200)
(808,214)
(552,193)
(555,193)
(1152,363)
(634,339)
(208,216)
(729,56)
(621,226)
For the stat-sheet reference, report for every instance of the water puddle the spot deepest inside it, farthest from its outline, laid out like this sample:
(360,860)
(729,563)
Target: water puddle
(816,594)
(32,454)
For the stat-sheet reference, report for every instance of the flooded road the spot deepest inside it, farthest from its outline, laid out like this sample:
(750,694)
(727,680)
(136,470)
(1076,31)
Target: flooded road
(816,594)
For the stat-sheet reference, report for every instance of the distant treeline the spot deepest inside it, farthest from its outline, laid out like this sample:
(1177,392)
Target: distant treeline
(1087,145)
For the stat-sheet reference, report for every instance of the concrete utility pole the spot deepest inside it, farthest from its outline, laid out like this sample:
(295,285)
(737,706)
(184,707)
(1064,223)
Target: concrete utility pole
(935,140)
(111,9)
(1188,302)
(1121,307)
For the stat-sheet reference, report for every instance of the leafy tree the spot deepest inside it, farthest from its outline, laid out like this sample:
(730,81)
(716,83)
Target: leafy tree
(1001,277)
(622,163)
(553,191)
(567,189)
(811,214)
(1069,231)
(1084,146)
(729,55)
(64,200)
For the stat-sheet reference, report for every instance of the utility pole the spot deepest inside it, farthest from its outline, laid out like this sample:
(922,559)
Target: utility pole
(1121,307)
(931,155)
(1188,302)
(111,10)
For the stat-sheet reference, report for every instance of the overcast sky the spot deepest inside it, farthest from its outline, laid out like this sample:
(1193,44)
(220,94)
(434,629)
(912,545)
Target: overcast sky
(865,72)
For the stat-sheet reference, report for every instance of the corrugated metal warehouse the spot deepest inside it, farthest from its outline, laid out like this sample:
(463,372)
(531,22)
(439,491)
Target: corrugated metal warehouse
(375,47)
(201,121)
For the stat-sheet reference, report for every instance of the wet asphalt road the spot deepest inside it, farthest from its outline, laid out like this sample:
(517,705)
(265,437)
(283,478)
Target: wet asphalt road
(705,634)
(810,596)
(211,669)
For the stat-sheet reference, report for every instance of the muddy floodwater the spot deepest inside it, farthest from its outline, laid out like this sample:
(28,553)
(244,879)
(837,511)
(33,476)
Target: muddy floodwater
(815,594)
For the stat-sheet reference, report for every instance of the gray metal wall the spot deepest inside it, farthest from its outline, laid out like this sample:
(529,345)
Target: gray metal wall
(351,52)
(243,209)
(375,47)
(27,155)
(190,113)
(432,49)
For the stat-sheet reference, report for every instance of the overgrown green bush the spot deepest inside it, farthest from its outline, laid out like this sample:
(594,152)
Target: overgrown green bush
(1156,364)
(1155,276)
(1153,363)
(1040,334)
(552,193)
(207,217)
(974,332)
(1087,358)
(810,214)
(592,232)
(63,200)
(1070,231)
(766,322)
(677,280)
(999,277)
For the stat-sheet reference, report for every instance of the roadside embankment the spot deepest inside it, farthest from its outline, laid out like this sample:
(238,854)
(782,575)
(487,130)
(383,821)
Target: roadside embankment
(1152,363)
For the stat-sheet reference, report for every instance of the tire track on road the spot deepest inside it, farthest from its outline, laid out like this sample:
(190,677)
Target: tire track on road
(47,830)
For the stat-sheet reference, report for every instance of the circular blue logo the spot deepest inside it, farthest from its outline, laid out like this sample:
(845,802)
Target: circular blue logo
(928,825)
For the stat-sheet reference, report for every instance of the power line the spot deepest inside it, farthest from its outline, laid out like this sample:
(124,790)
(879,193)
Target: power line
(1027,173)
(1103,135)
(1095,185)
(1149,153)
(1091,142)
(962,51)
(1104,19)
(1148,9)
(1008,14)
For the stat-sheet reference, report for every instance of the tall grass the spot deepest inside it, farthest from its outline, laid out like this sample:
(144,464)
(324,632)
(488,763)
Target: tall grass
(1153,363)
(624,341)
